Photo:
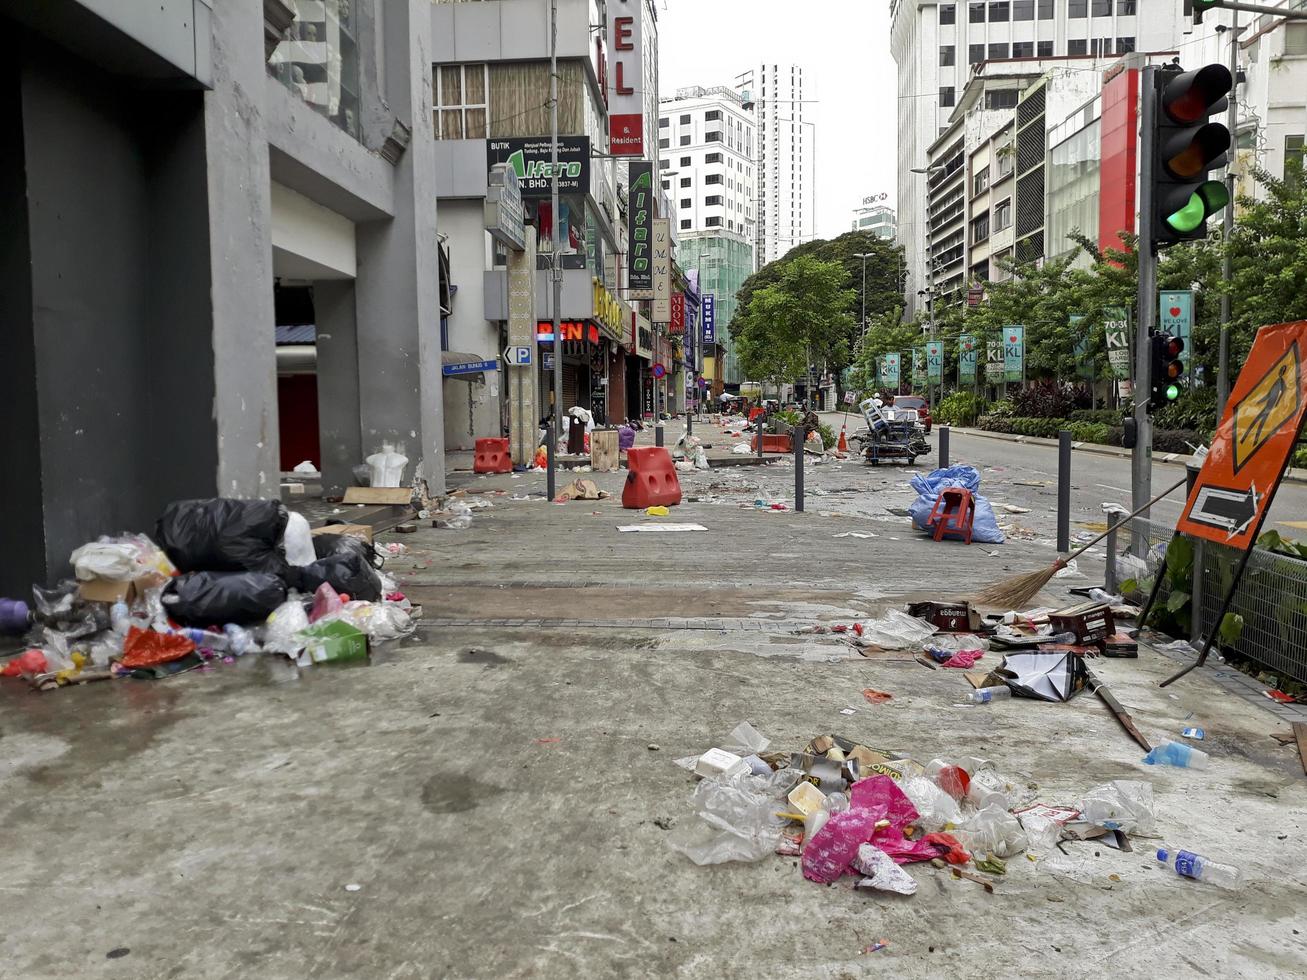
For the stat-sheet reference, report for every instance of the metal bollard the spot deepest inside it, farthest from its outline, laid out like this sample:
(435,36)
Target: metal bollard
(762,427)
(797,435)
(658,431)
(1063,491)
(943,447)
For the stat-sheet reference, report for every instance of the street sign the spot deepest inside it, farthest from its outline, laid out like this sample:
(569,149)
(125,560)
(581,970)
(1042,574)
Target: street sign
(518,356)
(659,371)
(1254,441)
(709,319)
(702,383)
(471,367)
(848,398)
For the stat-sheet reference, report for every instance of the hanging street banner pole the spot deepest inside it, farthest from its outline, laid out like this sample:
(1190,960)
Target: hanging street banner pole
(1253,446)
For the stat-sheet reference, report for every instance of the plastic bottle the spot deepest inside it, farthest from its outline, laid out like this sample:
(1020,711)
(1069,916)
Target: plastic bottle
(205,639)
(239,640)
(1177,754)
(1193,865)
(984,695)
(120,617)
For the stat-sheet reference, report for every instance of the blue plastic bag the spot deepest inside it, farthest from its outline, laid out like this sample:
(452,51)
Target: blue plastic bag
(984,527)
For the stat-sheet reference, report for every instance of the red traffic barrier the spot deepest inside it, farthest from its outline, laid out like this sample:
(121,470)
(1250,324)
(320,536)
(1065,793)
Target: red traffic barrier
(651,479)
(492,457)
(773,443)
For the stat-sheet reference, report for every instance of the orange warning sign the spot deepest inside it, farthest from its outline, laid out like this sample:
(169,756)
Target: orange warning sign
(1254,441)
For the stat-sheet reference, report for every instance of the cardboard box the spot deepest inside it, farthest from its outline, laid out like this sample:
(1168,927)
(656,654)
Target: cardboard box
(948,617)
(1091,622)
(363,531)
(113,590)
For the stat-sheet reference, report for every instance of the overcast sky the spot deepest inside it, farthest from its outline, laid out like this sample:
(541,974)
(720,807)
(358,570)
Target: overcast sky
(843,47)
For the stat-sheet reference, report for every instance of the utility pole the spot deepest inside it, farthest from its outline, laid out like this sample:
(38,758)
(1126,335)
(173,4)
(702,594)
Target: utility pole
(1141,456)
(555,273)
(1232,123)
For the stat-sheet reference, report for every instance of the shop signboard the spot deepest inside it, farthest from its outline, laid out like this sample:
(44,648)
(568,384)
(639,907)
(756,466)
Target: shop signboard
(626,78)
(662,270)
(639,247)
(529,159)
(505,216)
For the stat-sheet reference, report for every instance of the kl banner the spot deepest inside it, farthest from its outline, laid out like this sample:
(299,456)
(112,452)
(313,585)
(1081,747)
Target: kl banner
(1116,327)
(890,370)
(1175,315)
(935,361)
(994,364)
(1014,353)
(918,365)
(967,356)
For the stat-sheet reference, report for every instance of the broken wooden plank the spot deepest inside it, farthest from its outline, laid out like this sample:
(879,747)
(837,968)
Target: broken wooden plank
(1300,734)
(378,495)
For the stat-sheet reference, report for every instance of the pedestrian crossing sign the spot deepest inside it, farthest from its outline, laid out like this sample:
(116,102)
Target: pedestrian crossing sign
(1253,444)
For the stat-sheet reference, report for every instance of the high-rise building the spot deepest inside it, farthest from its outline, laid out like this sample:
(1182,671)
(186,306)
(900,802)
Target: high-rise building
(937,45)
(708,170)
(785,160)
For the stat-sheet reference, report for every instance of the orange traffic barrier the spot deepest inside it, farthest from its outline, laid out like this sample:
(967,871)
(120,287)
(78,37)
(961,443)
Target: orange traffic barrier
(492,457)
(651,479)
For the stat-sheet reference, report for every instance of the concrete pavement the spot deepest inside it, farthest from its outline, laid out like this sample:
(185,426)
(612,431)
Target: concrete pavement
(489,787)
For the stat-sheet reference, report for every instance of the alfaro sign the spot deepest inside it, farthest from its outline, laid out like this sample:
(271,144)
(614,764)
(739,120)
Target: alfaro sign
(639,249)
(626,79)
(530,159)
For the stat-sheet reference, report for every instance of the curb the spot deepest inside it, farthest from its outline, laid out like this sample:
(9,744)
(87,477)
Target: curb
(1178,459)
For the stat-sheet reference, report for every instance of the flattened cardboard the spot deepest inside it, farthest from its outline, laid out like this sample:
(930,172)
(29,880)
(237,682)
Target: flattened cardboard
(363,531)
(379,495)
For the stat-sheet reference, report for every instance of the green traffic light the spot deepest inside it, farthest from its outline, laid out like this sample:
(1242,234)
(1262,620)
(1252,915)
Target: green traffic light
(1208,199)
(1172,392)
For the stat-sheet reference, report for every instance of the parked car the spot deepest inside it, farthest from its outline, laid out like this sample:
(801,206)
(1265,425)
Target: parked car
(920,404)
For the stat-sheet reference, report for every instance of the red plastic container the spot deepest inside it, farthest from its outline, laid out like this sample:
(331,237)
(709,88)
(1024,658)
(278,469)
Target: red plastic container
(492,457)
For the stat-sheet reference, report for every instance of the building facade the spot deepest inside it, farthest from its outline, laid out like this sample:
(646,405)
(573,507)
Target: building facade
(708,148)
(786,157)
(164,172)
(876,219)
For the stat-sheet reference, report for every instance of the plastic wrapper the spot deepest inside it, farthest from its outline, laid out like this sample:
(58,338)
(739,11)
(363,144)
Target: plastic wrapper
(224,535)
(104,559)
(146,648)
(1123,804)
(951,643)
(297,542)
(881,871)
(993,831)
(896,630)
(827,855)
(55,602)
(1042,833)
(745,740)
(281,632)
(379,620)
(936,808)
(218,598)
(326,602)
(737,822)
(347,573)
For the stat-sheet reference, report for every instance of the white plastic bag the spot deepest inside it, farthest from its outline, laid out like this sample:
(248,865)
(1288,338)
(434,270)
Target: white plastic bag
(114,560)
(280,632)
(993,831)
(745,740)
(737,822)
(896,630)
(991,788)
(1123,804)
(881,871)
(297,541)
(936,807)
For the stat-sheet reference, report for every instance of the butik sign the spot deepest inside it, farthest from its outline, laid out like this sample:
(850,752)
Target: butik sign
(530,160)
(626,78)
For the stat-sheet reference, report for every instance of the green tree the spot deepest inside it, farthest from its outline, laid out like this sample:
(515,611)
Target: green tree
(802,316)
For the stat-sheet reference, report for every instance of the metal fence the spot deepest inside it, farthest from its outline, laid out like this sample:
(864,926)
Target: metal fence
(1271,598)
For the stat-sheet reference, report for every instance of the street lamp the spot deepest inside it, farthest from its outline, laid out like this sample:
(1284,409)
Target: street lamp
(864,256)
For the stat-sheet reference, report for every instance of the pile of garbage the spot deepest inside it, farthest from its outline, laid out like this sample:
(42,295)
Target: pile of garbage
(226,579)
(847,809)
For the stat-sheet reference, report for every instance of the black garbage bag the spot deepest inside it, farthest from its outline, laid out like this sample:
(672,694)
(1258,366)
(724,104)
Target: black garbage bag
(327,545)
(347,572)
(224,535)
(218,598)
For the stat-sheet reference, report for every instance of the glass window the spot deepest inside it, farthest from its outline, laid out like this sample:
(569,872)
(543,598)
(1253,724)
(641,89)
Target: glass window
(1044,49)
(976,13)
(1003,99)
(712,114)
(999,11)
(685,201)
(1124,45)
(998,50)
(948,14)
(947,53)
(713,137)
(662,144)
(685,222)
(713,222)
(318,60)
(685,181)
(664,165)
(1023,49)
(1003,214)
(713,179)
(461,102)
(1294,152)
(975,53)
(685,141)
(946,96)
(1101,8)
(980,182)
(1077,8)
(713,158)
(1045,8)
(1023,9)
(662,124)
(667,184)
(1125,6)
(1003,156)
(685,161)
(980,228)
(713,200)
(1077,47)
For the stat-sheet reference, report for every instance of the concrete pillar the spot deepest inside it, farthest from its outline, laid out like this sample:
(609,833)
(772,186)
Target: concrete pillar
(523,383)
(239,189)
(338,384)
(397,290)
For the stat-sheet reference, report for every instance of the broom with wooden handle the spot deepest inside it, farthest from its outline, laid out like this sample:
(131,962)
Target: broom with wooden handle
(1017,591)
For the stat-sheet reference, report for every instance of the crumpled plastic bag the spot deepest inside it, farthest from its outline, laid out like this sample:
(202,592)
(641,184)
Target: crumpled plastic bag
(881,871)
(348,573)
(984,525)
(280,632)
(218,598)
(224,535)
(745,740)
(896,630)
(993,831)
(936,809)
(146,648)
(326,601)
(947,847)
(297,542)
(963,659)
(379,620)
(827,855)
(26,663)
(1123,804)
(104,559)
(737,822)
(881,792)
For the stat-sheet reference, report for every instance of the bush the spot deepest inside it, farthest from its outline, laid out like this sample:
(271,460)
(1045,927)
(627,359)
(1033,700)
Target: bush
(1002,409)
(1048,400)
(1040,428)
(1096,432)
(1300,458)
(1102,416)
(1177,440)
(959,408)
(1194,409)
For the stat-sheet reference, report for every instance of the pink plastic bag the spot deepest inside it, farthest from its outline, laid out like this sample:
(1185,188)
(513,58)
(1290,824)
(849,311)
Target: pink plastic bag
(325,602)
(826,857)
(965,659)
(882,793)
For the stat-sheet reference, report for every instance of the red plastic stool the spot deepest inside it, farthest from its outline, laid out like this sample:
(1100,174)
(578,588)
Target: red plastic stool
(492,457)
(651,479)
(953,513)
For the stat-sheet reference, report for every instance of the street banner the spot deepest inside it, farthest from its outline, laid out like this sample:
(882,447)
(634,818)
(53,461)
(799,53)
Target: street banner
(625,83)
(662,270)
(967,356)
(890,370)
(1252,446)
(1014,352)
(677,321)
(1175,315)
(709,319)
(1085,364)
(935,361)
(918,365)
(1116,326)
(639,247)
(994,364)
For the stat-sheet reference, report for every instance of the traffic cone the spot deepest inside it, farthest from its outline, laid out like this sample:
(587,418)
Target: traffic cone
(843,445)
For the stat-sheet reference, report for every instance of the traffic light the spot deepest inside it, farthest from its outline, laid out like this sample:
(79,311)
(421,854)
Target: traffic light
(1201,7)
(1187,146)
(1167,370)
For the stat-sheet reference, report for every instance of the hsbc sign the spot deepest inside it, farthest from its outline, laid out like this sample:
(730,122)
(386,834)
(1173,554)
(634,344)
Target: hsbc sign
(626,78)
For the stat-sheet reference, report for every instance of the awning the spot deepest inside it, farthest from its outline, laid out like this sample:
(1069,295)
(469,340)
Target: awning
(465,367)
